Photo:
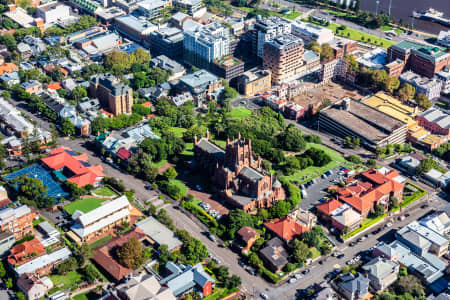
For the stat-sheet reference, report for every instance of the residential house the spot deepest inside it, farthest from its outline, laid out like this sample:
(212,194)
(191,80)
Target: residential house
(437,178)
(410,162)
(68,111)
(67,165)
(69,84)
(43,264)
(381,272)
(25,252)
(353,287)
(159,234)
(34,287)
(104,255)
(31,86)
(438,222)
(245,238)
(10,79)
(144,287)
(285,228)
(7,240)
(12,121)
(274,255)
(24,50)
(18,220)
(183,279)
(428,268)
(325,292)
(421,239)
(181,99)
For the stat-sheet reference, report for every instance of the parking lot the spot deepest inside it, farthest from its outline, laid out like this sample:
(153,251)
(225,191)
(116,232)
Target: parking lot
(318,190)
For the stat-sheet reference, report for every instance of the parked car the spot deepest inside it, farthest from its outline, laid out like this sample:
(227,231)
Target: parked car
(264,296)
(251,271)
(212,237)
(389,224)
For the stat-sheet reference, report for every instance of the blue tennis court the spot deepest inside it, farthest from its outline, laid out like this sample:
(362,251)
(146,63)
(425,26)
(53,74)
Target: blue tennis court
(54,189)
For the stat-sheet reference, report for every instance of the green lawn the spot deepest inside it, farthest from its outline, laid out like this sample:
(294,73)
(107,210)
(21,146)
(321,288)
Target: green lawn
(311,172)
(181,185)
(293,15)
(365,224)
(386,27)
(189,149)
(315,252)
(240,112)
(160,163)
(66,280)
(84,205)
(100,242)
(410,198)
(177,131)
(38,221)
(105,191)
(86,296)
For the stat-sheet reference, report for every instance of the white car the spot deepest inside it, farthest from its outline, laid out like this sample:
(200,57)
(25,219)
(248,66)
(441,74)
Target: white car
(389,224)
(264,296)
(292,280)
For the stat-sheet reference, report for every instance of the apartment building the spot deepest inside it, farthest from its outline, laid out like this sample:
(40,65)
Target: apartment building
(206,43)
(430,87)
(116,96)
(167,41)
(422,59)
(101,221)
(267,29)
(436,120)
(281,57)
(152,8)
(312,33)
(43,265)
(193,7)
(444,76)
(18,220)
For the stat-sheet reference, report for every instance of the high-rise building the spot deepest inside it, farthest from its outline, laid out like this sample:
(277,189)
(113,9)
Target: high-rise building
(167,41)
(203,44)
(283,56)
(116,96)
(267,29)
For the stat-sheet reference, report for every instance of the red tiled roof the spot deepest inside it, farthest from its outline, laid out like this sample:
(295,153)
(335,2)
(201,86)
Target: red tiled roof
(328,207)
(54,86)
(22,253)
(5,202)
(61,158)
(286,228)
(123,153)
(104,254)
(246,233)
(147,104)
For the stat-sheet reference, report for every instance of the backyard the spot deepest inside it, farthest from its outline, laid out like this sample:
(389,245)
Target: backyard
(105,192)
(66,281)
(84,205)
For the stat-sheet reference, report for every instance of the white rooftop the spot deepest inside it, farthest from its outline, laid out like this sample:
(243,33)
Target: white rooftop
(42,261)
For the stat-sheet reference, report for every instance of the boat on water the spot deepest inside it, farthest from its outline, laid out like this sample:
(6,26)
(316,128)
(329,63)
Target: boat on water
(432,15)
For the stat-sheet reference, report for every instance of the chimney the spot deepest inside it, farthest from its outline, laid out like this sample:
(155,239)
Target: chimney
(207,134)
(195,139)
(12,7)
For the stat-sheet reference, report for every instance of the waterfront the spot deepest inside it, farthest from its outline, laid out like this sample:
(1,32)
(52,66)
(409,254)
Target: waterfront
(402,9)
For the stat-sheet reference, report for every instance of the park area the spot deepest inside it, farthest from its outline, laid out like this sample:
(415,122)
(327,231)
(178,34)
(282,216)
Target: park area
(309,173)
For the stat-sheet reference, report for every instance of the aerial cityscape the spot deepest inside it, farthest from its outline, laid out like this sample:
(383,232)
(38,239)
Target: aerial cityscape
(224,149)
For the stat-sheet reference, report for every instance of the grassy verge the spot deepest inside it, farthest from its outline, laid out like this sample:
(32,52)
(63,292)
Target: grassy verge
(181,185)
(200,213)
(100,242)
(160,163)
(84,205)
(38,221)
(315,252)
(272,277)
(293,15)
(366,223)
(240,112)
(105,192)
(219,293)
(415,195)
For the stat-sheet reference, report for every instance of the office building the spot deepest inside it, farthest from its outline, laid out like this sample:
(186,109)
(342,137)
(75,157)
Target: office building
(282,57)
(312,33)
(355,119)
(116,96)
(436,120)
(254,82)
(200,83)
(134,28)
(430,87)
(444,38)
(152,8)
(228,67)
(53,13)
(342,46)
(266,30)
(167,41)
(206,43)
(422,59)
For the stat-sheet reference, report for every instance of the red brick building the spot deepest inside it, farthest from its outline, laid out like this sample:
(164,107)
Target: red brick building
(420,58)
(370,188)
(18,220)
(237,173)
(285,228)
(25,252)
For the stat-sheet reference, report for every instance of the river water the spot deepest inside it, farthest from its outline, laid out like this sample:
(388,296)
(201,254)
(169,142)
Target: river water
(402,9)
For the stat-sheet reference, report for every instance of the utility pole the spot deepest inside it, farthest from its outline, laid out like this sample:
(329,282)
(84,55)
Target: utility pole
(390,4)
(376,9)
